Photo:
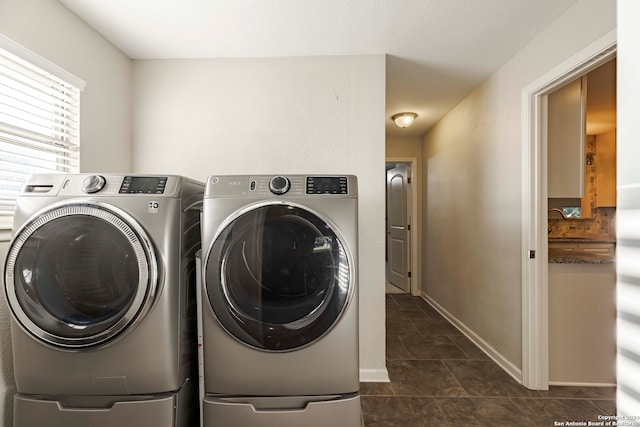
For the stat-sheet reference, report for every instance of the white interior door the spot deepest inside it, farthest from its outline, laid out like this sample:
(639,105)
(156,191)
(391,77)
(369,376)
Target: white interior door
(398,226)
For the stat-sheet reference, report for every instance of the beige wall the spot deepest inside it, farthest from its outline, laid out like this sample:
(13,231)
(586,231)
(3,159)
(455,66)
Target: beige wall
(51,31)
(286,115)
(396,146)
(472,179)
(582,324)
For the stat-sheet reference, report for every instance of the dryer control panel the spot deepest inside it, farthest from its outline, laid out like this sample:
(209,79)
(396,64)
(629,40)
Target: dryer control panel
(276,186)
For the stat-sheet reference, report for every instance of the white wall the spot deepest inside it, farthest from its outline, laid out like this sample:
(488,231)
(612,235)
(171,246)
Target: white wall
(51,31)
(472,179)
(286,115)
(628,212)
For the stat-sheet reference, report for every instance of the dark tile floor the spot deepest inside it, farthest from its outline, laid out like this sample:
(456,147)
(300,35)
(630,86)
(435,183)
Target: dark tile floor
(440,378)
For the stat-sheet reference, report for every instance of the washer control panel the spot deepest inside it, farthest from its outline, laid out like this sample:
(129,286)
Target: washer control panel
(93,184)
(101,185)
(143,185)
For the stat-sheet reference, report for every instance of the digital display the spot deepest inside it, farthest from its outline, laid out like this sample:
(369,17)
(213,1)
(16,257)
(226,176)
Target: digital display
(327,185)
(143,185)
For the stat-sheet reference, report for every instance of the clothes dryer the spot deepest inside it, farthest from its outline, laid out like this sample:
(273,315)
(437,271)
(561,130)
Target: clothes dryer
(280,301)
(100,279)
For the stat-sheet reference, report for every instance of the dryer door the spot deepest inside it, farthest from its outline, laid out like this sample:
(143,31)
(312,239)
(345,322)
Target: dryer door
(278,277)
(79,274)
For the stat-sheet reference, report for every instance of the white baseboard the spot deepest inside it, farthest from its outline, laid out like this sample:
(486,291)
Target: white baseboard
(506,365)
(572,384)
(374,376)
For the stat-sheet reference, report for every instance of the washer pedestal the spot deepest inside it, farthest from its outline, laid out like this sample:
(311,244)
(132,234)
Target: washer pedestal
(316,411)
(177,409)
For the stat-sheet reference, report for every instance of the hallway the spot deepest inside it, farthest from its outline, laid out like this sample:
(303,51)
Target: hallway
(440,378)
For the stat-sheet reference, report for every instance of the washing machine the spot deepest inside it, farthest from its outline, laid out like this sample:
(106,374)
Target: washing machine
(100,279)
(280,301)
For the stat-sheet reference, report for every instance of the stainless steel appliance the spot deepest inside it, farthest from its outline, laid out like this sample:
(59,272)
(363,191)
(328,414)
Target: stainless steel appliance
(100,279)
(280,301)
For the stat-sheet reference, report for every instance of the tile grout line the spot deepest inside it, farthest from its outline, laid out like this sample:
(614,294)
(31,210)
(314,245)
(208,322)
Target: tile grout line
(455,377)
(515,398)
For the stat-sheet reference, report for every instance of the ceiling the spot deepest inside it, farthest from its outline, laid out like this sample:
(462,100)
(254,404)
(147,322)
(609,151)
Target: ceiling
(438,50)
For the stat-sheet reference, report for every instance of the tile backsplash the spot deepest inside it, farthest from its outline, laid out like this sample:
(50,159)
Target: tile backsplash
(600,226)
(598,223)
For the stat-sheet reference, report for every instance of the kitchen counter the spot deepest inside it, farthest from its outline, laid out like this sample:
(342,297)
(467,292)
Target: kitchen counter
(581,251)
(579,240)
(562,256)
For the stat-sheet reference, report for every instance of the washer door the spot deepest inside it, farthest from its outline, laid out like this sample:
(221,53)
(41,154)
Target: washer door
(79,274)
(277,277)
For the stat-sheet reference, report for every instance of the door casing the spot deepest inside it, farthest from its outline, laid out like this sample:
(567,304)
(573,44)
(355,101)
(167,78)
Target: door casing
(535,310)
(416,224)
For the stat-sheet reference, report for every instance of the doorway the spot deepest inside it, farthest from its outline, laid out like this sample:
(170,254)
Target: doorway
(398,221)
(582,208)
(412,207)
(535,310)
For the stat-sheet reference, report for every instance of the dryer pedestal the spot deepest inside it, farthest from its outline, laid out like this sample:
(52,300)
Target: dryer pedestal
(315,411)
(162,410)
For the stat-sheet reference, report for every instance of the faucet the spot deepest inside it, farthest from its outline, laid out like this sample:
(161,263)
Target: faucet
(558,211)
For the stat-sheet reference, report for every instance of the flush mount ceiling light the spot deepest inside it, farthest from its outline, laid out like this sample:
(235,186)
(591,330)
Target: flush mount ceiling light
(404,120)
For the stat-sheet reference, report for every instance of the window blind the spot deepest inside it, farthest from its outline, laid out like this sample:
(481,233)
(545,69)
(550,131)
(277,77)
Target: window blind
(39,125)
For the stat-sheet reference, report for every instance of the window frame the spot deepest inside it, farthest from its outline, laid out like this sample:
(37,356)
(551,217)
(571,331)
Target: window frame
(51,72)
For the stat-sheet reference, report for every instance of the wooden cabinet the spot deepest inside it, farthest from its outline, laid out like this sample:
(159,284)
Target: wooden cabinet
(572,247)
(597,248)
(566,113)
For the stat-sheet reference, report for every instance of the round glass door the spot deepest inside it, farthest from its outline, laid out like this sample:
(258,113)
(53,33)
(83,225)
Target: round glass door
(277,277)
(78,275)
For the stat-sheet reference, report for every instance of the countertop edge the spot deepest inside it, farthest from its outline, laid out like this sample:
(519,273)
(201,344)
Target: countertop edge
(580,240)
(576,260)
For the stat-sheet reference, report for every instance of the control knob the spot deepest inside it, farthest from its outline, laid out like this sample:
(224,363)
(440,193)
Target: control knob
(279,185)
(93,184)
